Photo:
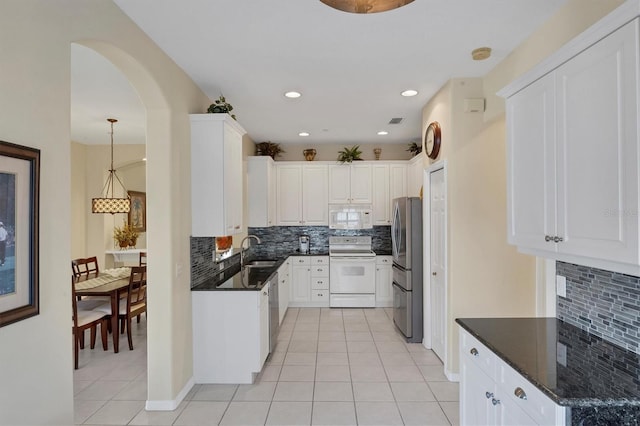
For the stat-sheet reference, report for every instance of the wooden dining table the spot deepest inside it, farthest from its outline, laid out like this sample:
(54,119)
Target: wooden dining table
(109,282)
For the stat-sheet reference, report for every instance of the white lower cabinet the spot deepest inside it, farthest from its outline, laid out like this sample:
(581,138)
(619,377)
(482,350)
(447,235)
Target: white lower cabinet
(384,280)
(283,290)
(309,281)
(493,393)
(230,335)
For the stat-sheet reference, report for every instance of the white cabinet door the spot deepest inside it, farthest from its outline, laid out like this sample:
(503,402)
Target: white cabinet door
(261,188)
(361,188)
(397,181)
(531,182)
(263,308)
(476,390)
(315,209)
(384,280)
(414,176)
(339,184)
(289,195)
(216,175)
(350,183)
(598,149)
(300,283)
(381,201)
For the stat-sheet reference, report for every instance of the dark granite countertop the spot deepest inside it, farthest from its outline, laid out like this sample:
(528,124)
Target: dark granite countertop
(595,374)
(233,278)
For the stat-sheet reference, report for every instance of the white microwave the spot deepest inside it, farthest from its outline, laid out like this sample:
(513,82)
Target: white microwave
(350,216)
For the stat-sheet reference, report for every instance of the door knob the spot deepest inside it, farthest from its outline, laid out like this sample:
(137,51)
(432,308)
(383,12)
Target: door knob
(434,273)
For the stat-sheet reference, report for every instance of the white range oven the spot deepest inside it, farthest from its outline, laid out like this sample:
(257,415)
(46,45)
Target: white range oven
(352,270)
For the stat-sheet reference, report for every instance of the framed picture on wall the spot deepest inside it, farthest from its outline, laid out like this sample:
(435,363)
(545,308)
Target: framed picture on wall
(19,207)
(138,213)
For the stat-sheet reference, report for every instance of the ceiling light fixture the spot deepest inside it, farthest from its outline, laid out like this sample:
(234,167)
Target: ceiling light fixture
(383,133)
(481,53)
(107,203)
(293,94)
(409,93)
(366,6)
(303,134)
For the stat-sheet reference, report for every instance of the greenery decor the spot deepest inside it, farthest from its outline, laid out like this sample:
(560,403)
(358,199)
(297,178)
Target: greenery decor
(347,155)
(126,236)
(414,148)
(220,106)
(269,148)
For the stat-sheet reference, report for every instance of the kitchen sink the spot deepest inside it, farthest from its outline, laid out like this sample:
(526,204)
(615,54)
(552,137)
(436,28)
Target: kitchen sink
(260,264)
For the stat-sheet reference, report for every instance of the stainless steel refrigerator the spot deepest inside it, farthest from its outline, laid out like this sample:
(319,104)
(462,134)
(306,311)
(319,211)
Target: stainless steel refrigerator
(406,244)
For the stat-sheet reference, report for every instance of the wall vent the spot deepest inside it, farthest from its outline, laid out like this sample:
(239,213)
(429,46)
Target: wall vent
(396,120)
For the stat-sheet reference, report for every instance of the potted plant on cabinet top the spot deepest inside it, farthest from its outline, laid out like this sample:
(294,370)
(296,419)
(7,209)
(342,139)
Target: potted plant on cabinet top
(126,236)
(414,148)
(269,148)
(347,155)
(221,106)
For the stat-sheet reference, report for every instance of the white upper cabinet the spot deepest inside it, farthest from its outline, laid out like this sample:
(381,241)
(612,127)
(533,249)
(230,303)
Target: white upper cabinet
(216,175)
(350,183)
(397,181)
(302,195)
(381,201)
(573,156)
(261,186)
(415,170)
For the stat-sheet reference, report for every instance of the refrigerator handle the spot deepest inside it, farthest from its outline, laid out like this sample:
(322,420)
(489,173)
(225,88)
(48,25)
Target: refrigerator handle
(395,232)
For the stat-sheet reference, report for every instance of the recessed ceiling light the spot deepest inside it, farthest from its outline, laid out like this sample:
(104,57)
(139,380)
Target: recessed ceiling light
(481,53)
(383,133)
(409,92)
(303,134)
(293,94)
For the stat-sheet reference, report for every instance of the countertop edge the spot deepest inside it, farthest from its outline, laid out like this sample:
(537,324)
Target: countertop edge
(565,402)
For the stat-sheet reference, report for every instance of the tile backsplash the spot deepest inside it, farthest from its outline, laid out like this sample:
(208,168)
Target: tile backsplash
(604,303)
(278,241)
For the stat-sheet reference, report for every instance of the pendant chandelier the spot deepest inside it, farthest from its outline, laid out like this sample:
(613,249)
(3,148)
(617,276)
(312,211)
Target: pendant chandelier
(107,203)
(366,6)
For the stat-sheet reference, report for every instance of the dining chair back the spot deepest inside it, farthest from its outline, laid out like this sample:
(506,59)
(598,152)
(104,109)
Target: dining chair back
(85,319)
(143,259)
(85,267)
(136,299)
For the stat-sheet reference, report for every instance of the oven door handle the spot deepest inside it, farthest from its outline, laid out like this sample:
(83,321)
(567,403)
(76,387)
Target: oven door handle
(352,258)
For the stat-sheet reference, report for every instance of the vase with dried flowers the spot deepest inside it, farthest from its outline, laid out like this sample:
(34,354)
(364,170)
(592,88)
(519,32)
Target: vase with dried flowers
(125,235)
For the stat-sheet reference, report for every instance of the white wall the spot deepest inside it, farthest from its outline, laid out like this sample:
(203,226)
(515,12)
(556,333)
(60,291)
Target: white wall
(36,360)
(329,152)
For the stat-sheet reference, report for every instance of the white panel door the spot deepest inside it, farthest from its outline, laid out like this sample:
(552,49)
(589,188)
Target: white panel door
(361,184)
(437,232)
(289,195)
(315,209)
(598,149)
(381,202)
(531,165)
(339,184)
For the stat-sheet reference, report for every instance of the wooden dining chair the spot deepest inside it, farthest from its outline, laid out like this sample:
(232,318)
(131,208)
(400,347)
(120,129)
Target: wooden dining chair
(85,267)
(143,259)
(86,319)
(136,301)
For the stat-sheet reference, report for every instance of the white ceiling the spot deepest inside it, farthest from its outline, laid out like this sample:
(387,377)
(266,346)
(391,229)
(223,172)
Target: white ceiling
(349,68)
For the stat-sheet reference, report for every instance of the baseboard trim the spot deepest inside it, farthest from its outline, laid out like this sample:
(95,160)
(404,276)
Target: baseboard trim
(170,404)
(452,377)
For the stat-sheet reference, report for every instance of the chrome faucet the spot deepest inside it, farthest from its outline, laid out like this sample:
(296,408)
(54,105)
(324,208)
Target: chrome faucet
(242,249)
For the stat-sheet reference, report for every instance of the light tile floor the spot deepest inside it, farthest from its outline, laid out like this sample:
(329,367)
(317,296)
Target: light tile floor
(330,367)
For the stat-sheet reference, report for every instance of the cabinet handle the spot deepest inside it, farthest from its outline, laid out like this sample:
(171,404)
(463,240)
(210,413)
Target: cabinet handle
(489,395)
(236,227)
(264,292)
(558,239)
(474,352)
(548,238)
(495,401)
(520,393)
(434,273)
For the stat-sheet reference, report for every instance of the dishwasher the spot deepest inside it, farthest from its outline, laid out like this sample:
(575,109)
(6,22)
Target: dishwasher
(274,312)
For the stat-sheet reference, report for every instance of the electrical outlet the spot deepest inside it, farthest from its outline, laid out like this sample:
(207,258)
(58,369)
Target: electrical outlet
(561,354)
(178,269)
(220,266)
(561,286)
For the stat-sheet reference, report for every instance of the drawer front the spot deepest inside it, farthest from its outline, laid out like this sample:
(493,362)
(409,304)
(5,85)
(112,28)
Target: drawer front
(320,260)
(528,397)
(320,283)
(478,353)
(319,295)
(301,260)
(384,260)
(320,270)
